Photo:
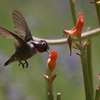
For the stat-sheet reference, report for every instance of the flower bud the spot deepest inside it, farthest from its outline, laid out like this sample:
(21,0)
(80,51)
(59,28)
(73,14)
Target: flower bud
(52,60)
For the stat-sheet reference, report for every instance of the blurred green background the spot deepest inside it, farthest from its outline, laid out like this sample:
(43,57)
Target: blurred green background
(46,19)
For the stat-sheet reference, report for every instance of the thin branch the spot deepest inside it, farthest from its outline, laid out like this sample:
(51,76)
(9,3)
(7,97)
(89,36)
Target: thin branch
(85,35)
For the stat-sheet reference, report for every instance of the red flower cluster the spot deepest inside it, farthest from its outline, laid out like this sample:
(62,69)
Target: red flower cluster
(76,31)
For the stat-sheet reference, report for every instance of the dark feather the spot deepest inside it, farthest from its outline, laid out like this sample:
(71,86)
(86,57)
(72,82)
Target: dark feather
(21,26)
(7,34)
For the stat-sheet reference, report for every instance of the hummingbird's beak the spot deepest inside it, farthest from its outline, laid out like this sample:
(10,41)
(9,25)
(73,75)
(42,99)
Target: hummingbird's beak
(48,51)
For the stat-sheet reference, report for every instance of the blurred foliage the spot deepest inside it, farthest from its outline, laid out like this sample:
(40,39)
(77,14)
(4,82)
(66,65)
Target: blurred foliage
(46,19)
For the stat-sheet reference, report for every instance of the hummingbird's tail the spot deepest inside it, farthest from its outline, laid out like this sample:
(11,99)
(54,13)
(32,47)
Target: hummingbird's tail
(9,61)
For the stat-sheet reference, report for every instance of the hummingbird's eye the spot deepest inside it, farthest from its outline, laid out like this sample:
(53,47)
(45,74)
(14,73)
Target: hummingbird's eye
(44,44)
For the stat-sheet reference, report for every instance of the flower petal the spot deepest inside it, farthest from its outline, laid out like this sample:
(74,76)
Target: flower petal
(53,54)
(77,30)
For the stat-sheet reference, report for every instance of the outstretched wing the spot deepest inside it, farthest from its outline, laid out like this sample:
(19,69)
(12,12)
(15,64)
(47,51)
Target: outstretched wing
(21,26)
(7,34)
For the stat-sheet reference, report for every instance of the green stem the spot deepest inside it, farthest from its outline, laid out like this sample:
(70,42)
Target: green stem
(89,58)
(58,96)
(98,10)
(50,92)
(49,88)
(97,95)
(50,96)
(88,91)
(73,10)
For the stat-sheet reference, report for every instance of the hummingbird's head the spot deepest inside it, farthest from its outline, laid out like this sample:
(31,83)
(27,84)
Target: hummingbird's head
(41,46)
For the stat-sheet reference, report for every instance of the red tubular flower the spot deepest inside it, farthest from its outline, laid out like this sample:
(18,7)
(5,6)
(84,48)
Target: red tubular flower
(52,60)
(70,44)
(77,30)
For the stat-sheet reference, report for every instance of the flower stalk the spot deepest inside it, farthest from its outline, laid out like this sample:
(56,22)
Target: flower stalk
(51,62)
(89,64)
(87,85)
(73,10)
(97,95)
(76,33)
(97,6)
(58,96)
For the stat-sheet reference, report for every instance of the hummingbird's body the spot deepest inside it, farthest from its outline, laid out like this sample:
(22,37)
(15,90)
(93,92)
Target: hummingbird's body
(21,54)
(25,45)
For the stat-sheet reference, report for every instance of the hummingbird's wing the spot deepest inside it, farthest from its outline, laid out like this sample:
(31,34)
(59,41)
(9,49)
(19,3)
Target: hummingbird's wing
(21,26)
(7,34)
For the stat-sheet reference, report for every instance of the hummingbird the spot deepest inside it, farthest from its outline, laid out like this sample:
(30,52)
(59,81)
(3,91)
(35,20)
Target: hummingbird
(25,45)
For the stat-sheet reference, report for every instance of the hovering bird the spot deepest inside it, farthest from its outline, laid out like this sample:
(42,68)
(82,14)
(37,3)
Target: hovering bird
(25,45)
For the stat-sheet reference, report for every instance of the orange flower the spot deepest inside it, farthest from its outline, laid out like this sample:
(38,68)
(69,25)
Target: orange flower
(52,60)
(77,30)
